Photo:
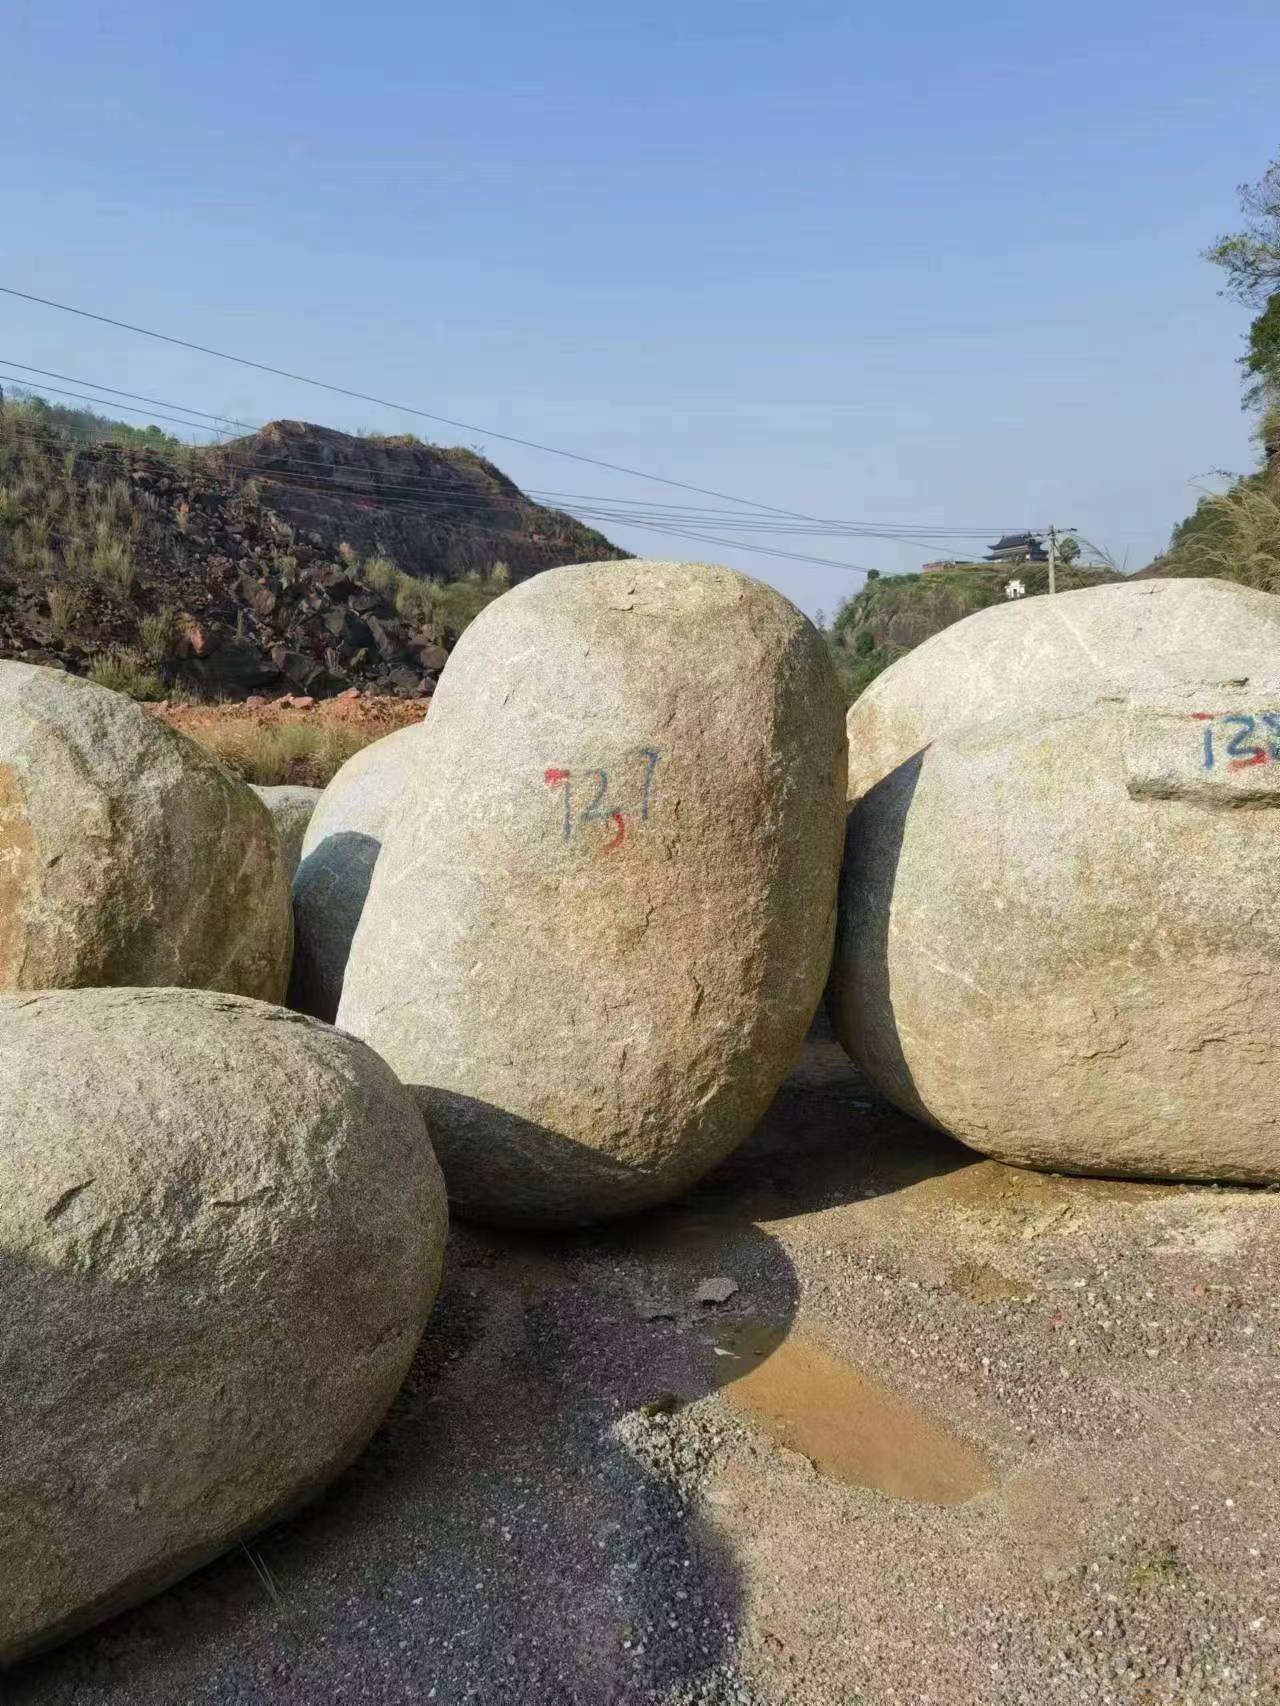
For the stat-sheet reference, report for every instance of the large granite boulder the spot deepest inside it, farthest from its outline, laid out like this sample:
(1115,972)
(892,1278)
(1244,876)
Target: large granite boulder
(1059,938)
(221,1231)
(602,915)
(291,809)
(127,854)
(339,851)
(1003,660)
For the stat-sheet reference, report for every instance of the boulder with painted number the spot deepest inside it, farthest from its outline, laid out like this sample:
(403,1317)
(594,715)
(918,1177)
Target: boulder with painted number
(339,851)
(221,1231)
(1004,660)
(602,915)
(127,854)
(1058,935)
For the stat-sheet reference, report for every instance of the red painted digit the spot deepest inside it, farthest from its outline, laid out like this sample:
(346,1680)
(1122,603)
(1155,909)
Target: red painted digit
(617,839)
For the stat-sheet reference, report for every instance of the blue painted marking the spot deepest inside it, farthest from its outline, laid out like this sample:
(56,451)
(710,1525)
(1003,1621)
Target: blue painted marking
(598,810)
(651,765)
(1234,748)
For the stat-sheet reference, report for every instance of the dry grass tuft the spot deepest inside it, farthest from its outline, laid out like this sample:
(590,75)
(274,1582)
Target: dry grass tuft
(305,754)
(1245,545)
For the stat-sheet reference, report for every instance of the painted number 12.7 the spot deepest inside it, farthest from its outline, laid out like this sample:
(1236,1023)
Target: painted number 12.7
(586,797)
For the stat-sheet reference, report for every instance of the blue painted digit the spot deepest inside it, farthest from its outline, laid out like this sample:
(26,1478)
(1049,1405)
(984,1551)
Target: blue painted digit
(598,810)
(651,765)
(1247,725)
(1208,747)
(1272,720)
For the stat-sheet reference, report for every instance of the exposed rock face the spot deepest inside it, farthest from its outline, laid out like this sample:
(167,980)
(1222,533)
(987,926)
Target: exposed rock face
(221,1231)
(1058,933)
(249,546)
(339,851)
(129,855)
(601,919)
(1003,660)
(291,808)
(442,512)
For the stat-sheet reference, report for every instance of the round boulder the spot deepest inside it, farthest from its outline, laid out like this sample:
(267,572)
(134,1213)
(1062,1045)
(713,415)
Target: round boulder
(602,916)
(291,809)
(129,856)
(1059,938)
(1005,659)
(339,851)
(221,1232)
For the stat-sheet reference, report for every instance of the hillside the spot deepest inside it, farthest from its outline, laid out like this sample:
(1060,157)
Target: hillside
(894,613)
(1234,534)
(434,512)
(299,559)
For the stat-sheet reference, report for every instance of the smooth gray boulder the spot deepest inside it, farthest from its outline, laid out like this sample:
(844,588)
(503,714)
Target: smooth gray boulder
(602,916)
(291,809)
(127,854)
(221,1232)
(1003,660)
(339,851)
(1059,938)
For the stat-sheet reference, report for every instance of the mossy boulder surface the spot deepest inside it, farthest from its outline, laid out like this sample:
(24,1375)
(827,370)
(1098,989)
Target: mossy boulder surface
(127,855)
(221,1232)
(602,915)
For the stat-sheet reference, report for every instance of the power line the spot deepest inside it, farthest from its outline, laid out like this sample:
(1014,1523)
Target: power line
(403,408)
(420,505)
(97,385)
(608,508)
(417,503)
(61,391)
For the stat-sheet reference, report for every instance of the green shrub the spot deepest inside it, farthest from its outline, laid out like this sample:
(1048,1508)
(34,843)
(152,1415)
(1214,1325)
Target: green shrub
(421,602)
(380,575)
(124,670)
(111,564)
(66,607)
(157,635)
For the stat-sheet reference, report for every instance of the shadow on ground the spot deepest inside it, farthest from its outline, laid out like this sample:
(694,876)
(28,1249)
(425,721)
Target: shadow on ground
(519,1530)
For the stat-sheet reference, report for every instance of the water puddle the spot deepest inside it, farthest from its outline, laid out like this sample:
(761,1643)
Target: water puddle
(850,1425)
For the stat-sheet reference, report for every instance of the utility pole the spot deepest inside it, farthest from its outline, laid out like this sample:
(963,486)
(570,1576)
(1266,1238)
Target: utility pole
(1054,536)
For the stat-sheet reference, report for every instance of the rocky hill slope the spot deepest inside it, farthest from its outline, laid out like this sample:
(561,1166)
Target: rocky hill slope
(435,512)
(296,560)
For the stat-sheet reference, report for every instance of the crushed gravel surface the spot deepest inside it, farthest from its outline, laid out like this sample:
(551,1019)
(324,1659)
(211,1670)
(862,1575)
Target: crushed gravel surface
(962,1436)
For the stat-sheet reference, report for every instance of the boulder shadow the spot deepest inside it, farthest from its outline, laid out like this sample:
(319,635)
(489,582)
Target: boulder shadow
(860,1007)
(330,888)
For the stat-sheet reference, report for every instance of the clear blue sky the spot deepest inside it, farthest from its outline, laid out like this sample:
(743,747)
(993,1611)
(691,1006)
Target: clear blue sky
(919,262)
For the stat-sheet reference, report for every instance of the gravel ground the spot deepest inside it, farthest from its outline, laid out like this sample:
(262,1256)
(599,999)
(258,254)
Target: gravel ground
(962,1436)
